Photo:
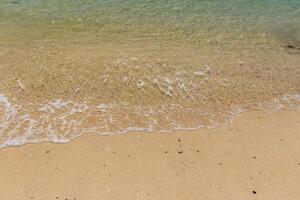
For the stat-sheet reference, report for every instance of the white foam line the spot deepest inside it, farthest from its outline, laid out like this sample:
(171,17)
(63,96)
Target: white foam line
(17,127)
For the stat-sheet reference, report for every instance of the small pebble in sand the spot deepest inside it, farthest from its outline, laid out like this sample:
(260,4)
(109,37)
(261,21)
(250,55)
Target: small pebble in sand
(179,140)
(199,73)
(254,157)
(289,46)
(166,151)
(47,151)
(180,152)
(254,192)
(21,85)
(198,151)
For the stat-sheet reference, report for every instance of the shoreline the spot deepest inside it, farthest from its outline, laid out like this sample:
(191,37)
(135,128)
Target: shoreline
(288,102)
(255,156)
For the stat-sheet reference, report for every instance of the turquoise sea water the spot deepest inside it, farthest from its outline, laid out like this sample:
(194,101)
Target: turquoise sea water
(230,20)
(69,67)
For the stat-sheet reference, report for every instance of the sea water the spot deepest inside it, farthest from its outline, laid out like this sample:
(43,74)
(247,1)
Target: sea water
(100,66)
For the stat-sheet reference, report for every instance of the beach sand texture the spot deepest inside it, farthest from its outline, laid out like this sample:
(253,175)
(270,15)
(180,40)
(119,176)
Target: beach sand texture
(255,157)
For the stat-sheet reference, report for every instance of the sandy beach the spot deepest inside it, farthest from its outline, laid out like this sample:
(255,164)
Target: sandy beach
(255,157)
(158,100)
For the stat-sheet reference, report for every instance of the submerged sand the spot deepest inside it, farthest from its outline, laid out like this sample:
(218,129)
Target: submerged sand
(255,157)
(56,90)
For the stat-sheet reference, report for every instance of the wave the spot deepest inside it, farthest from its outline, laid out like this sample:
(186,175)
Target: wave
(60,121)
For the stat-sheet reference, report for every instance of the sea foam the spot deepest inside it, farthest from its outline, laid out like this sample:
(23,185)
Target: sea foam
(60,121)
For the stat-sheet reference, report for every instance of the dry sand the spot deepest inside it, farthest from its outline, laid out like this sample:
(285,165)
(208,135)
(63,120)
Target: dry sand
(255,157)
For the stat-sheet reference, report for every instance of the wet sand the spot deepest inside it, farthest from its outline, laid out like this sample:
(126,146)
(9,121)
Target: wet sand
(255,157)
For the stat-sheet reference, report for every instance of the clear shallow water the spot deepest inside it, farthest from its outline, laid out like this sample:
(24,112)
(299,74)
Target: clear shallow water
(72,67)
(226,21)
